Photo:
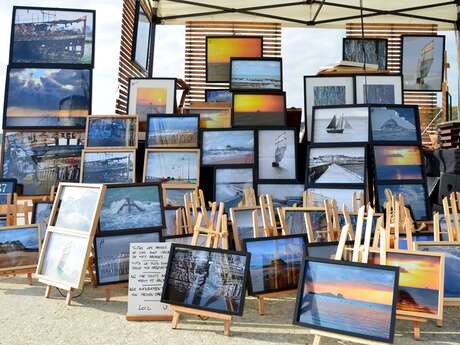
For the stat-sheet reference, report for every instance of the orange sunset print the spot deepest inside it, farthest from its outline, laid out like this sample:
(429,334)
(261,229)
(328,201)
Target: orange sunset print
(221,49)
(398,162)
(258,109)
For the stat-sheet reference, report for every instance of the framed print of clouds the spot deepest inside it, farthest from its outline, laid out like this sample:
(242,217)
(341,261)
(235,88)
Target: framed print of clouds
(141,40)
(343,196)
(104,166)
(379,89)
(47,98)
(395,124)
(217,96)
(255,108)
(398,163)
(422,62)
(371,51)
(19,247)
(212,115)
(41,212)
(52,36)
(111,131)
(283,194)
(256,74)
(172,130)
(230,184)
(221,147)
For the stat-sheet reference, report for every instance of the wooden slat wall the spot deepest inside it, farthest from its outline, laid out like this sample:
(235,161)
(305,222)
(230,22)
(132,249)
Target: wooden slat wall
(195,49)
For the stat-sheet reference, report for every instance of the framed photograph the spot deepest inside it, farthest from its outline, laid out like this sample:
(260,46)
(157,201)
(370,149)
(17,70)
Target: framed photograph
(174,193)
(294,220)
(141,39)
(19,247)
(212,115)
(283,194)
(333,124)
(344,301)
(173,222)
(277,154)
(343,196)
(395,124)
(39,160)
(220,49)
(218,96)
(230,184)
(227,147)
(398,163)
(379,89)
(41,212)
(131,207)
(7,186)
(52,36)
(421,281)
(368,50)
(151,96)
(111,131)
(417,237)
(324,91)
(47,98)
(315,224)
(324,250)
(243,225)
(258,109)
(112,255)
(422,62)
(186,239)
(275,263)
(256,74)
(344,165)
(174,165)
(108,166)
(206,279)
(172,130)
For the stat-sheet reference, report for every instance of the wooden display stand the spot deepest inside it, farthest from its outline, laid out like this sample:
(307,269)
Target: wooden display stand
(27,271)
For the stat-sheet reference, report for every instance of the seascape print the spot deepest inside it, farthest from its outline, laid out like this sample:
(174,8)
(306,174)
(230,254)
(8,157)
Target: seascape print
(283,194)
(174,166)
(218,96)
(256,74)
(415,196)
(394,124)
(227,147)
(172,131)
(398,162)
(230,185)
(109,167)
(258,109)
(18,247)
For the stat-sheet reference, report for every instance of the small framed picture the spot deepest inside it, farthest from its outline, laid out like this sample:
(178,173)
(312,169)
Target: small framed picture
(174,193)
(256,74)
(108,166)
(368,50)
(398,163)
(111,131)
(41,212)
(186,239)
(141,39)
(19,247)
(343,196)
(172,130)
(258,109)
(284,194)
(379,89)
(212,115)
(173,221)
(325,250)
(230,184)
(7,188)
(218,96)
(243,224)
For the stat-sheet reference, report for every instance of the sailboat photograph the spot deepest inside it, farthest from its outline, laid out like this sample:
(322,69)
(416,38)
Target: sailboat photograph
(338,125)
(277,156)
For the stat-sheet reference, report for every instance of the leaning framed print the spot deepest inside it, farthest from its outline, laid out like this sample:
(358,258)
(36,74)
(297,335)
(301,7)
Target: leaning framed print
(212,115)
(141,40)
(369,50)
(200,278)
(41,212)
(256,74)
(52,36)
(284,194)
(258,109)
(398,163)
(111,132)
(422,62)
(218,96)
(219,50)
(379,89)
(294,220)
(174,193)
(47,98)
(108,166)
(172,130)
(230,183)
(343,196)
(326,90)
(243,224)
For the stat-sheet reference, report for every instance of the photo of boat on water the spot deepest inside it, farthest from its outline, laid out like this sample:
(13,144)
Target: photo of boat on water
(111,131)
(47,97)
(243,225)
(423,62)
(336,165)
(40,215)
(230,185)
(256,74)
(398,163)
(415,196)
(379,89)
(348,298)
(19,247)
(53,36)
(212,115)
(277,154)
(108,166)
(341,125)
(218,96)
(394,124)
(259,109)
(370,51)
(275,263)
(227,147)
(343,196)
(172,131)
(283,194)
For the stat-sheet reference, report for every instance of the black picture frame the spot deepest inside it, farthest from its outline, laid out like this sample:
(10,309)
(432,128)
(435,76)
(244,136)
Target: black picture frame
(276,202)
(228,204)
(173,116)
(263,59)
(139,8)
(330,244)
(51,64)
(373,75)
(175,246)
(34,219)
(300,292)
(348,39)
(208,91)
(128,153)
(7,186)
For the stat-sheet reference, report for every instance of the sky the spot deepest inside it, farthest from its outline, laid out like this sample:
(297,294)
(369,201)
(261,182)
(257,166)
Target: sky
(303,51)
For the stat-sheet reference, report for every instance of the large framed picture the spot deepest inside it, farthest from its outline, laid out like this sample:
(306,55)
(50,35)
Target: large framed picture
(277,154)
(343,196)
(171,130)
(52,36)
(398,163)
(379,89)
(174,165)
(258,109)
(19,247)
(324,91)
(256,74)
(108,166)
(131,207)
(422,62)
(343,298)
(275,262)
(230,183)
(227,147)
(212,115)
(218,96)
(220,49)
(283,194)
(141,39)
(39,160)
(41,212)
(206,279)
(47,98)
(243,224)
(111,131)
(368,50)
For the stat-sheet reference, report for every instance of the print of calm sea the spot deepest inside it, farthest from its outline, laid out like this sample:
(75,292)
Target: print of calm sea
(357,133)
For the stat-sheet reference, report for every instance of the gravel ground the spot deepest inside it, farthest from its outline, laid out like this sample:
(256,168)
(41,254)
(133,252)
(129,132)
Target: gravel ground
(26,317)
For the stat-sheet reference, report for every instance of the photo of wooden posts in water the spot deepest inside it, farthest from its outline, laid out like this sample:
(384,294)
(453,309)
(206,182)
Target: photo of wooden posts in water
(172,130)
(415,195)
(111,131)
(423,62)
(395,124)
(347,298)
(336,165)
(230,185)
(38,160)
(212,115)
(379,89)
(221,147)
(421,282)
(258,109)
(283,194)
(369,51)
(219,50)
(275,263)
(217,96)
(277,154)
(131,206)
(208,279)
(40,215)
(256,74)
(108,166)
(47,98)
(398,163)
(19,246)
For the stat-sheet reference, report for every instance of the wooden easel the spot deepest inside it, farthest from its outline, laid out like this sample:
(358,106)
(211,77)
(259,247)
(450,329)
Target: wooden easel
(356,202)
(450,206)
(268,216)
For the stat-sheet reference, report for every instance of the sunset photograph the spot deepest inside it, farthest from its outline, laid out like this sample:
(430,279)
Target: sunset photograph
(398,162)
(255,109)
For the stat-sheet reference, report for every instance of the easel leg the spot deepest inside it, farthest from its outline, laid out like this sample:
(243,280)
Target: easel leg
(175,320)
(439,323)
(417,330)
(227,324)
(108,294)
(317,340)
(68,298)
(29,278)
(261,302)
(48,291)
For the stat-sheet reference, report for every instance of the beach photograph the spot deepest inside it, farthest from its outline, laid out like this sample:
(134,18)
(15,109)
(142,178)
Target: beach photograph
(356,300)
(227,147)
(370,51)
(230,185)
(108,167)
(277,155)
(175,166)
(111,132)
(172,131)
(343,196)
(259,109)
(283,194)
(19,247)
(218,96)
(394,124)
(258,74)
(329,165)
(398,163)
(415,196)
